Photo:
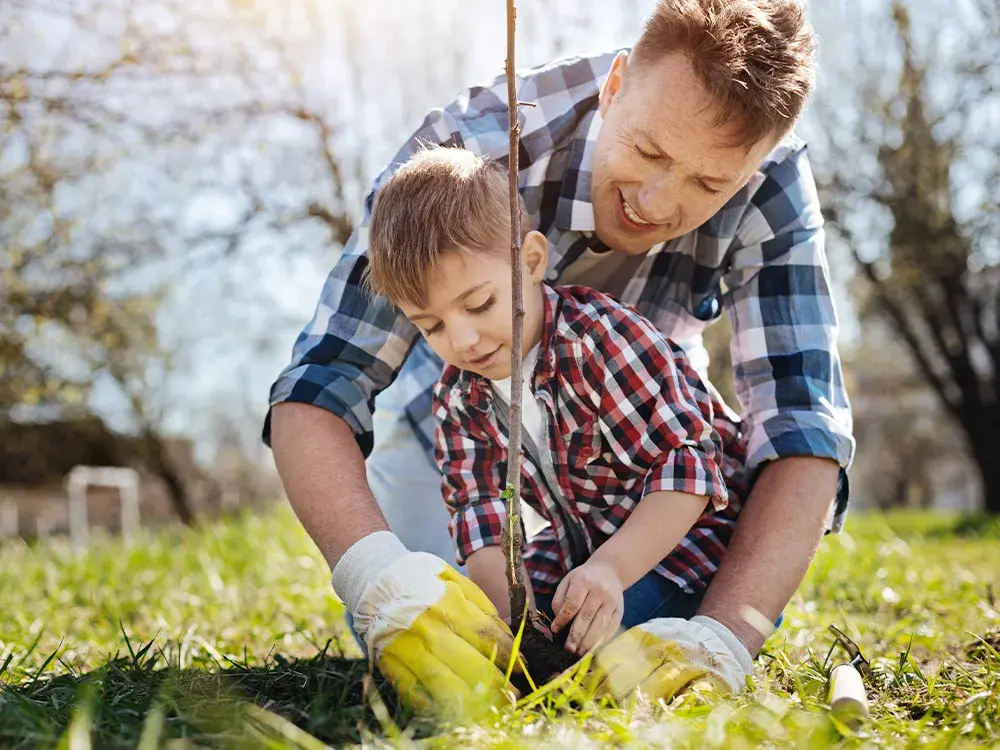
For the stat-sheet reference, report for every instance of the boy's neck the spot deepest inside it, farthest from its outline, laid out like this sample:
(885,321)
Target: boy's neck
(534,317)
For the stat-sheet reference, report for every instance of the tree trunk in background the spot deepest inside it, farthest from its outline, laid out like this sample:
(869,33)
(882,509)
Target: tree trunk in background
(162,464)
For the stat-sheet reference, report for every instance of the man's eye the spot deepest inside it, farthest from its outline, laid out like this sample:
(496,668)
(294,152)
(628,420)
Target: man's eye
(708,189)
(485,307)
(644,154)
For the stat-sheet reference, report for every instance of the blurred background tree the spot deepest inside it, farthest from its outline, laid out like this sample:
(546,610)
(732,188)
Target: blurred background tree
(177,179)
(912,185)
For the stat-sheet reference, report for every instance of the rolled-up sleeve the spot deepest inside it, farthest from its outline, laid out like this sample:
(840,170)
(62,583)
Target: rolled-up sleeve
(654,410)
(787,369)
(471,468)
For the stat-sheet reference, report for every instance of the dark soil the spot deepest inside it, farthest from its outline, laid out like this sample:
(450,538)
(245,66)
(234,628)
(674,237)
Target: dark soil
(545,658)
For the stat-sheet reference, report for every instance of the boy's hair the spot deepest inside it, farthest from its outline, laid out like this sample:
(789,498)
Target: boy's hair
(755,57)
(441,200)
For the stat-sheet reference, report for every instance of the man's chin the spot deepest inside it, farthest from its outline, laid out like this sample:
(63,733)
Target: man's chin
(629,243)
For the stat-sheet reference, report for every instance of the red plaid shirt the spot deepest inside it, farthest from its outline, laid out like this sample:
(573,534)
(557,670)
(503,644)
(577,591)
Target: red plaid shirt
(627,415)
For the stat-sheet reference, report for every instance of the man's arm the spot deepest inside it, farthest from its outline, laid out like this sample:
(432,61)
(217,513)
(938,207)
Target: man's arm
(775,540)
(323,472)
(790,385)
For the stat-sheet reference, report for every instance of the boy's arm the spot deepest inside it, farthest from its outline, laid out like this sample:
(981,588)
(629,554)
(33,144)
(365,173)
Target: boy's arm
(655,415)
(656,526)
(654,411)
(591,596)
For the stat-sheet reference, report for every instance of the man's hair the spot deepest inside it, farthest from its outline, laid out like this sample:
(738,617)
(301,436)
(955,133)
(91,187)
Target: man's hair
(755,58)
(441,200)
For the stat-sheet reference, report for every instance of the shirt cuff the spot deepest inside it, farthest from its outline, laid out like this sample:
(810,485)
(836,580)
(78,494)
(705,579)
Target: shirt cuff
(328,389)
(473,528)
(690,471)
(799,434)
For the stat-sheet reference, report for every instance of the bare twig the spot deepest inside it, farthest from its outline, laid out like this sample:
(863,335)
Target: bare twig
(514,537)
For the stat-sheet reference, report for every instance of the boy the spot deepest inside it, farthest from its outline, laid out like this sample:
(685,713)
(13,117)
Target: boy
(628,453)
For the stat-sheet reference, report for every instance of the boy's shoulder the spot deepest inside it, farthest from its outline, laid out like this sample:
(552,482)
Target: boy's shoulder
(586,313)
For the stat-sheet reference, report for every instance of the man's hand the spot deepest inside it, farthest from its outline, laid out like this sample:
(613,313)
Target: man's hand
(664,656)
(592,596)
(432,632)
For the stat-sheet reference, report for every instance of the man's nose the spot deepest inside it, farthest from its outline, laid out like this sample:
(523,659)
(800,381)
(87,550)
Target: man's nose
(659,198)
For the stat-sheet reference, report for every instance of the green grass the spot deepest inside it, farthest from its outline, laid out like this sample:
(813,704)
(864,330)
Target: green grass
(229,635)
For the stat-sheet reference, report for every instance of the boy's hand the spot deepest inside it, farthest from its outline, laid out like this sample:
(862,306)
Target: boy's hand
(592,596)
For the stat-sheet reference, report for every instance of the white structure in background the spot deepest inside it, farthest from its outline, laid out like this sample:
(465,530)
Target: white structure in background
(81,477)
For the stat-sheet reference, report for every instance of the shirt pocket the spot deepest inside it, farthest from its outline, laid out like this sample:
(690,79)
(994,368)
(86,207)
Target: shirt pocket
(583,445)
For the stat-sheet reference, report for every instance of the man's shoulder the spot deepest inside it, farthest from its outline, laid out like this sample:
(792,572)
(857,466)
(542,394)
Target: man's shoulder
(560,92)
(781,193)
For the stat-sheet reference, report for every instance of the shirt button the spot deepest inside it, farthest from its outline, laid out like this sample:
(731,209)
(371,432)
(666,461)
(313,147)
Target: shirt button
(552,275)
(588,235)
(587,452)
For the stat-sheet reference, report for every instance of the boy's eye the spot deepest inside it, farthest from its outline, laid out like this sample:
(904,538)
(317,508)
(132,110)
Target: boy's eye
(433,329)
(485,307)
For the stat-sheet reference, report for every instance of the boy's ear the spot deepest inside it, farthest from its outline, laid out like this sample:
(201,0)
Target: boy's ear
(535,255)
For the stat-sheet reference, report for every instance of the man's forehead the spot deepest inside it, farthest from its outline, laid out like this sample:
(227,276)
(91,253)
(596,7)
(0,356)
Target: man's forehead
(667,102)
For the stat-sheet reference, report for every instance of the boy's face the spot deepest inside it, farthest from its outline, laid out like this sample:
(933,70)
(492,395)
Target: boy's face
(468,315)
(662,165)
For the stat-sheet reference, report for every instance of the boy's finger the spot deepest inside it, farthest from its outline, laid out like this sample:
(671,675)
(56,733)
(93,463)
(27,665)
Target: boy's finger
(560,596)
(599,629)
(573,599)
(583,622)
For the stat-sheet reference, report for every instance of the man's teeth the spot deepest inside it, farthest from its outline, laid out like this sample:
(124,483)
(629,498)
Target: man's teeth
(632,215)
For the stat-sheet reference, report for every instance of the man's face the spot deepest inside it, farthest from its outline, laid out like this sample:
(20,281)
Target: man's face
(468,315)
(662,166)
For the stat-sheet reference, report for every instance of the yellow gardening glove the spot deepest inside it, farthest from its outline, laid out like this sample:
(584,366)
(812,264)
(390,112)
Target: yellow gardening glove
(664,656)
(433,633)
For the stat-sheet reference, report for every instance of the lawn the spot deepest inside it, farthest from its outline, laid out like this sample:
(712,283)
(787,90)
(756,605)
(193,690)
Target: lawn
(229,635)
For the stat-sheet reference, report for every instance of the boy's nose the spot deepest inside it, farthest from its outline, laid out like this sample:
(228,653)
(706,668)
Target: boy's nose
(463,337)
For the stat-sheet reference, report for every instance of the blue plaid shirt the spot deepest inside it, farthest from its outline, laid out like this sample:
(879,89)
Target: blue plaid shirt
(761,258)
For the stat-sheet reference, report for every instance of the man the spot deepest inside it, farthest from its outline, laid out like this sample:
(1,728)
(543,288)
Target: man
(667,176)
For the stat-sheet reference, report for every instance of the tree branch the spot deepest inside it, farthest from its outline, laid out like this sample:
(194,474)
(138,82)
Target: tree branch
(899,319)
(513,529)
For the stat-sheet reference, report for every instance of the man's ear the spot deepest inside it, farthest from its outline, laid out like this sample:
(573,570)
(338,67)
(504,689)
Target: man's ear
(535,255)
(613,83)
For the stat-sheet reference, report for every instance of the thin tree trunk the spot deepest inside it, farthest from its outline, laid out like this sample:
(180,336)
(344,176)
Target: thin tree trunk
(513,536)
(984,443)
(161,463)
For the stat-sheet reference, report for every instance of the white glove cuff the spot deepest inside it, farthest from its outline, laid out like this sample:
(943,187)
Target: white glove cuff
(363,564)
(738,650)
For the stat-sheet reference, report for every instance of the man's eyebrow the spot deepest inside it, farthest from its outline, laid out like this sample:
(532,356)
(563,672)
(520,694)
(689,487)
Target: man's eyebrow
(658,151)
